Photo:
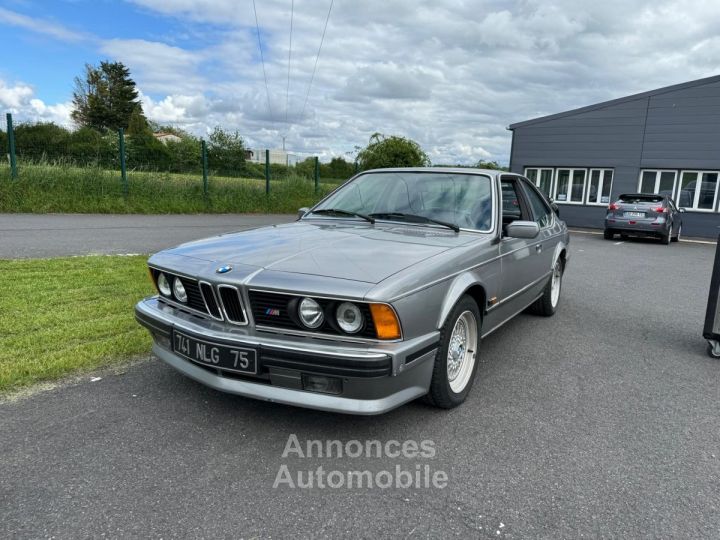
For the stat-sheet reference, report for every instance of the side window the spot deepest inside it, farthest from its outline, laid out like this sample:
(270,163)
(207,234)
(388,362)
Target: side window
(513,206)
(542,213)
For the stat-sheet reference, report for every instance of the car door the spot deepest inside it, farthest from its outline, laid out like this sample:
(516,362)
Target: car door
(547,240)
(517,254)
(674,215)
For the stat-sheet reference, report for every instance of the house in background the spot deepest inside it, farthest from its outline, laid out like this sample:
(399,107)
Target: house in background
(279,157)
(662,141)
(165,138)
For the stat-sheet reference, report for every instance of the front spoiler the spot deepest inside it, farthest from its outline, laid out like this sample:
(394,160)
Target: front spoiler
(288,396)
(366,391)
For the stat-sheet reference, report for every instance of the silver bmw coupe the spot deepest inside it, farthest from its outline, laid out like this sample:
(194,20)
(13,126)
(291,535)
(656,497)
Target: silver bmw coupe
(378,295)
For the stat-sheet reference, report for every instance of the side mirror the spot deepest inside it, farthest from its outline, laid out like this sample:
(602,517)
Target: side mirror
(302,211)
(522,229)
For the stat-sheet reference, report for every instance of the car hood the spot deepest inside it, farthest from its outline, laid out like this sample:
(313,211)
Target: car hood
(331,248)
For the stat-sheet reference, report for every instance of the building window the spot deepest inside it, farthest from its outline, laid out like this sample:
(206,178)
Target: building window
(600,186)
(570,185)
(542,178)
(697,190)
(656,181)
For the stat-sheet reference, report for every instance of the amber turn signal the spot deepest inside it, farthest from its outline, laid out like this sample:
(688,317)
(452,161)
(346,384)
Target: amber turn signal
(386,322)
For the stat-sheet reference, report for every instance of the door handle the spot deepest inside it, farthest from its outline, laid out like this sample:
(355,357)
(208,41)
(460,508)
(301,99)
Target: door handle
(538,248)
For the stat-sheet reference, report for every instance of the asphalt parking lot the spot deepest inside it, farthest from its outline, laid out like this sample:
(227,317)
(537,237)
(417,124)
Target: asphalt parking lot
(601,421)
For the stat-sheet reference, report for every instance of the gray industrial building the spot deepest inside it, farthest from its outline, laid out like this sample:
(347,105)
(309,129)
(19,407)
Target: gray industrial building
(662,141)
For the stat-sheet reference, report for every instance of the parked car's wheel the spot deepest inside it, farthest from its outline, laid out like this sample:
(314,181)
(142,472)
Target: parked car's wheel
(665,238)
(608,234)
(713,349)
(676,238)
(624,236)
(456,361)
(548,302)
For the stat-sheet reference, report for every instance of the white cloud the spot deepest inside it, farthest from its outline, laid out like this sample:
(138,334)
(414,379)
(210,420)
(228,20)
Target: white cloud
(450,74)
(19,100)
(40,26)
(159,67)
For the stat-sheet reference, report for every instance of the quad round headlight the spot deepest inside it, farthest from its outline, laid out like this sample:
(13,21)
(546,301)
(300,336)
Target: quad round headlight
(310,313)
(349,317)
(163,285)
(179,291)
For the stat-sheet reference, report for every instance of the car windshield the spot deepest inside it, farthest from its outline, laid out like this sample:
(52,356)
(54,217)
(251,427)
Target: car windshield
(459,199)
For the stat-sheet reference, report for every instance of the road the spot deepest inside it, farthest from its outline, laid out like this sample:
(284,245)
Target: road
(601,421)
(53,235)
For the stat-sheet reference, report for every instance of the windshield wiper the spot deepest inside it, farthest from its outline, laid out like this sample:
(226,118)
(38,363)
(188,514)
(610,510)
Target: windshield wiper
(339,212)
(414,218)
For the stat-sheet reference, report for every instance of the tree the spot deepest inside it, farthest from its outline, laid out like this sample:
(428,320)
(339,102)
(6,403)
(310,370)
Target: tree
(138,124)
(337,169)
(43,140)
(494,165)
(105,98)
(391,151)
(226,151)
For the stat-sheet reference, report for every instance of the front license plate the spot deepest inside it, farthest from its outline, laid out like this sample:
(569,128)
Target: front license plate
(634,214)
(207,353)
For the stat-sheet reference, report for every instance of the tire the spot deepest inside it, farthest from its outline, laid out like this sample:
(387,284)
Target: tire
(451,382)
(665,238)
(608,234)
(547,304)
(711,351)
(623,236)
(676,238)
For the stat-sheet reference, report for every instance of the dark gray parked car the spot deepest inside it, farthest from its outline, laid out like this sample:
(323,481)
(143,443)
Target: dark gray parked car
(644,214)
(378,295)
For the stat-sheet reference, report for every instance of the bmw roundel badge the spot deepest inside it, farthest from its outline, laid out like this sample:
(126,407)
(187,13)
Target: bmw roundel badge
(224,269)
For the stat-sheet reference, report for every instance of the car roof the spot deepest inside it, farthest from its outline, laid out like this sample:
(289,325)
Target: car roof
(455,170)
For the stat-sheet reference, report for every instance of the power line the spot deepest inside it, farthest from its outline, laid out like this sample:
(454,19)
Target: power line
(287,92)
(262,59)
(322,38)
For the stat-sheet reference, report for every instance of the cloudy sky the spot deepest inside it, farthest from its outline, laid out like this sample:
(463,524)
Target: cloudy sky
(451,74)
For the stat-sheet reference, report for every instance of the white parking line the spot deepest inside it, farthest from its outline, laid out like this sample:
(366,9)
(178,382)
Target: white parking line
(709,242)
(618,243)
(684,240)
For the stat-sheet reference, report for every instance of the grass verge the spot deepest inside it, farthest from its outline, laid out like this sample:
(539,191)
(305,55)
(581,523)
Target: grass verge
(43,188)
(68,315)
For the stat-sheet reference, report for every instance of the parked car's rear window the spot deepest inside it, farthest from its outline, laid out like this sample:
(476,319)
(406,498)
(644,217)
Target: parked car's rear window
(462,199)
(633,198)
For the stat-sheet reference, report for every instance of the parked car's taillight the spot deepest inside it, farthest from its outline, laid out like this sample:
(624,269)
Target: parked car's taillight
(660,210)
(613,206)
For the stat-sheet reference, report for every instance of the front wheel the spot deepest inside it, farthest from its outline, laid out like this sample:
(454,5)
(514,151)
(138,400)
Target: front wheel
(548,302)
(456,359)
(608,234)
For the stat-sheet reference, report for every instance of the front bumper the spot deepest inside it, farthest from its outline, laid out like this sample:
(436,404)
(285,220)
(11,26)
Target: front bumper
(376,377)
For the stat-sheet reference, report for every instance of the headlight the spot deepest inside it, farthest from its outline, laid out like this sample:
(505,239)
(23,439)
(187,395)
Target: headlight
(163,285)
(349,317)
(179,291)
(310,313)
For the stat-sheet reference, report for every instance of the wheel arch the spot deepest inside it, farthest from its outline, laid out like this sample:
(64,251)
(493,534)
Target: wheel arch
(464,284)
